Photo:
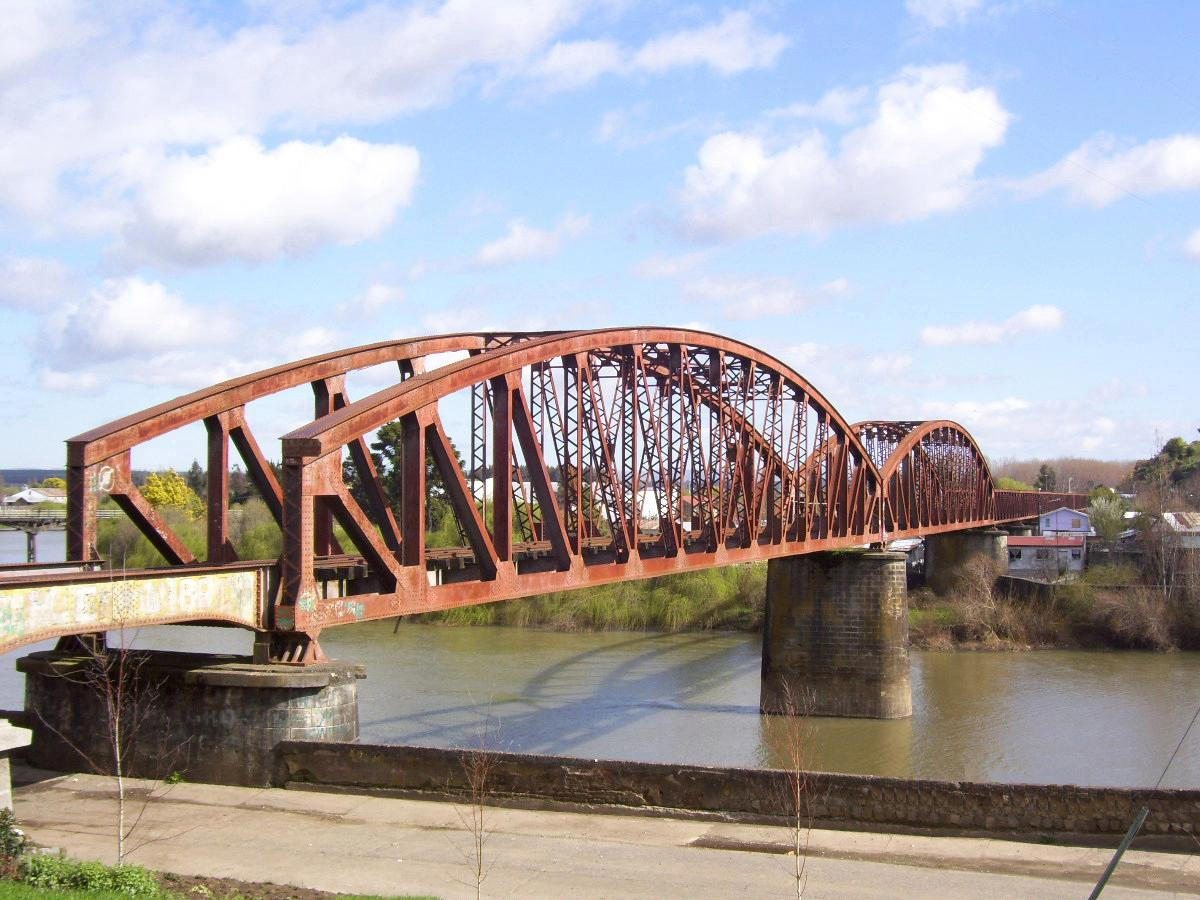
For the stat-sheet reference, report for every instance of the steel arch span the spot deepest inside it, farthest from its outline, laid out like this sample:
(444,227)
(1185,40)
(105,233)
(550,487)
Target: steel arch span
(589,457)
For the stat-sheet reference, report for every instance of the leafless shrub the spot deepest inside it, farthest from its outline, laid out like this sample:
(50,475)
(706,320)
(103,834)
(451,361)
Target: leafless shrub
(1139,616)
(796,786)
(478,765)
(984,614)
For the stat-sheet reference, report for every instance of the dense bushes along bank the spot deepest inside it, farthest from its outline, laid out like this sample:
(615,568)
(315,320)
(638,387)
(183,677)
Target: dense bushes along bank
(1109,607)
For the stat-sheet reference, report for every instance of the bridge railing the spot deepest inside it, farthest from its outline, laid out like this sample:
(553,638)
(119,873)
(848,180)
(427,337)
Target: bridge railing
(41,515)
(1013,506)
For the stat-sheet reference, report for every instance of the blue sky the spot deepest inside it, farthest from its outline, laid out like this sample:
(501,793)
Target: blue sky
(985,210)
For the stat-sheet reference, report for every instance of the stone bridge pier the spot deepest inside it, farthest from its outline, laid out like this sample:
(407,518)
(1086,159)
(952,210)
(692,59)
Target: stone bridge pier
(835,639)
(947,553)
(210,718)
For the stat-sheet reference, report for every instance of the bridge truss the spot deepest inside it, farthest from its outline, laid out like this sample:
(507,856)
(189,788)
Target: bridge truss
(591,457)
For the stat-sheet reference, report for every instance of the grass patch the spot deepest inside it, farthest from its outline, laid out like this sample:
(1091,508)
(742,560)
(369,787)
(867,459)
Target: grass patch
(729,598)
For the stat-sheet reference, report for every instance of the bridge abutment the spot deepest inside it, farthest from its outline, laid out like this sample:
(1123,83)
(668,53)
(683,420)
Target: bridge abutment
(209,718)
(947,553)
(835,640)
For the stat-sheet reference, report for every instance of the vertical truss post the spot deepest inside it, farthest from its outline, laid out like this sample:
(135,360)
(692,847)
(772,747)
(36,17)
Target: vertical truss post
(502,474)
(299,594)
(219,547)
(326,392)
(412,503)
(83,486)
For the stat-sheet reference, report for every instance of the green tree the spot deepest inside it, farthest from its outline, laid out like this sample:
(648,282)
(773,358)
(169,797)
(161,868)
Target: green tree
(1004,483)
(56,483)
(1046,478)
(1107,513)
(387,454)
(197,478)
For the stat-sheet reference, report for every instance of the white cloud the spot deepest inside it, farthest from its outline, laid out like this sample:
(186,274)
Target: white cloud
(126,318)
(733,44)
(1034,319)
(627,128)
(148,78)
(242,201)
(915,158)
(889,364)
(842,106)
(574,64)
(33,284)
(36,28)
(940,13)
(368,304)
(523,242)
(1101,170)
(752,298)
(977,413)
(1192,245)
(669,266)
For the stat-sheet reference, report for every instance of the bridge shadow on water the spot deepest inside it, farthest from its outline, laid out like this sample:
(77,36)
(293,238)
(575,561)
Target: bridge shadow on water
(618,699)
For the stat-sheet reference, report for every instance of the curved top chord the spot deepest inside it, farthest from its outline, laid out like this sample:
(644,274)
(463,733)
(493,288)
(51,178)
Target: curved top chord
(107,440)
(329,433)
(901,437)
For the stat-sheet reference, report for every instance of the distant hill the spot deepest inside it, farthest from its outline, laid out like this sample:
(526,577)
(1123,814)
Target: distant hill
(29,476)
(19,477)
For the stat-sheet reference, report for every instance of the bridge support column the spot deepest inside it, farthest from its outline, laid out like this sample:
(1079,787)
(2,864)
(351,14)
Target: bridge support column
(210,718)
(835,640)
(947,553)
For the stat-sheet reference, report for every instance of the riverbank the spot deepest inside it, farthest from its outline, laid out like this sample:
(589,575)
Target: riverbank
(1106,609)
(381,845)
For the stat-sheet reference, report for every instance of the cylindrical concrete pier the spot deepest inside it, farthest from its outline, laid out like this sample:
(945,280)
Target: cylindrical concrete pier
(947,553)
(209,718)
(835,640)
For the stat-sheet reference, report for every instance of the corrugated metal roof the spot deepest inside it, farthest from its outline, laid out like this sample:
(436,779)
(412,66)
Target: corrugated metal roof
(1183,521)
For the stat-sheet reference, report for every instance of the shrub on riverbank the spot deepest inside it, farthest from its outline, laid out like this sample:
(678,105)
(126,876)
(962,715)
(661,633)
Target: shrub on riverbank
(1108,607)
(728,598)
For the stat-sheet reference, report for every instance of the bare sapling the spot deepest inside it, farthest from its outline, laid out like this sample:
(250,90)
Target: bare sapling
(796,786)
(478,765)
(129,698)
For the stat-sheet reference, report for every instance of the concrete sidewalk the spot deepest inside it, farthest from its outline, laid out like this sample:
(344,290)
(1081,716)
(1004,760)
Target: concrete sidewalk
(382,845)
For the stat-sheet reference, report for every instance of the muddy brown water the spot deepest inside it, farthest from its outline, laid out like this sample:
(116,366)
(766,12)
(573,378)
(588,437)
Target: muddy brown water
(1049,716)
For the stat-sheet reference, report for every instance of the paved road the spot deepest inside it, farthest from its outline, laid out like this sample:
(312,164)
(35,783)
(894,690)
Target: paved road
(382,845)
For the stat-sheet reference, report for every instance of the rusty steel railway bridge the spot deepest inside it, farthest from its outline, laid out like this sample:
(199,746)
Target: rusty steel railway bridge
(673,449)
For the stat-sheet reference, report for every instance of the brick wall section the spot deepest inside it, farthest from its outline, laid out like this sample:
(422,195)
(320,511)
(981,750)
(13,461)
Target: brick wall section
(835,639)
(946,553)
(735,794)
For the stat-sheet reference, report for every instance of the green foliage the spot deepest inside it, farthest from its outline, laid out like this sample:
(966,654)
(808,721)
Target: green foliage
(728,598)
(1004,483)
(1107,513)
(120,542)
(58,483)
(169,489)
(13,842)
(254,532)
(1177,461)
(58,872)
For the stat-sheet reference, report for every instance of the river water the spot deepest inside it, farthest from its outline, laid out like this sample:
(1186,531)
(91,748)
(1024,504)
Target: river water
(1076,717)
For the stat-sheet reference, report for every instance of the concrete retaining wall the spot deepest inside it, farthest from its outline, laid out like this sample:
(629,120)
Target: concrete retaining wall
(854,801)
